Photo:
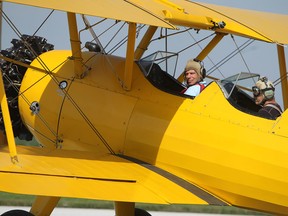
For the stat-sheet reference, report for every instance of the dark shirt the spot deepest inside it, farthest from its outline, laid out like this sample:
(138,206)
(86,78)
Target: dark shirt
(270,111)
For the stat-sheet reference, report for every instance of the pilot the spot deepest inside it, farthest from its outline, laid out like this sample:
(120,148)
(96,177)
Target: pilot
(263,93)
(194,74)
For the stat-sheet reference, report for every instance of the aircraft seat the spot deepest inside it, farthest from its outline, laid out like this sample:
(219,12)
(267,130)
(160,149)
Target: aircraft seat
(163,80)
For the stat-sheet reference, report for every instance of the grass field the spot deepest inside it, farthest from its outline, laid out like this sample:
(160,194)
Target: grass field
(7,199)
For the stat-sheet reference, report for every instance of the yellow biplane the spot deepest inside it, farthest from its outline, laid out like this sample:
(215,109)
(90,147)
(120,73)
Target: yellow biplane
(117,128)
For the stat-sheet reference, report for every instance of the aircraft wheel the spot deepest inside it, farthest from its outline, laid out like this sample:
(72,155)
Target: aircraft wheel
(141,212)
(17,213)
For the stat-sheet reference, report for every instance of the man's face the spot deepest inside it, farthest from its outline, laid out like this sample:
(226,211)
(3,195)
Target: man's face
(191,77)
(259,98)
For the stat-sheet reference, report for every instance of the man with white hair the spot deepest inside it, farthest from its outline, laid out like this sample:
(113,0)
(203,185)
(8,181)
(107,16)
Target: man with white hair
(194,74)
(263,93)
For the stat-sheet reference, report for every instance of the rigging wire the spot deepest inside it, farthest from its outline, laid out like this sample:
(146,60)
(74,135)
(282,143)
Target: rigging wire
(196,42)
(48,72)
(227,58)
(230,56)
(89,27)
(201,48)
(80,111)
(169,35)
(239,51)
(43,22)
(7,78)
(124,40)
(280,79)
(10,23)
(18,33)
(114,36)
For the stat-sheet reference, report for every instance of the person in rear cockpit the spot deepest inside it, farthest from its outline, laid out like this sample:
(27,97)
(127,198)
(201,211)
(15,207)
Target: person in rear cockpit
(194,74)
(263,93)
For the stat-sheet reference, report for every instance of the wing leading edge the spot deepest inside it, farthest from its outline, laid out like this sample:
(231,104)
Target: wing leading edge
(168,14)
(111,9)
(108,177)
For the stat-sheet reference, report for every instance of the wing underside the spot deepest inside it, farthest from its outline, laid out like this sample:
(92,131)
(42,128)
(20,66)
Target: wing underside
(107,177)
(170,14)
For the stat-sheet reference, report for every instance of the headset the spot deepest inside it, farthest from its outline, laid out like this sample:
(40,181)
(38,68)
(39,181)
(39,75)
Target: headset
(202,68)
(268,92)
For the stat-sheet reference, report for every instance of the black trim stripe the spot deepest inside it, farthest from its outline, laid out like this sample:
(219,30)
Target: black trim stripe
(209,198)
(66,176)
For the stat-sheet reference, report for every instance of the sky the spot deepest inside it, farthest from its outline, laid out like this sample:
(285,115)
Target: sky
(259,57)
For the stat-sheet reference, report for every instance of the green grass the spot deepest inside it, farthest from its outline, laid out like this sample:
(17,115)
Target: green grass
(8,199)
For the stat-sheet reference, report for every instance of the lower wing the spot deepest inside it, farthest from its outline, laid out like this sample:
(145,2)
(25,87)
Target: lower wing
(65,173)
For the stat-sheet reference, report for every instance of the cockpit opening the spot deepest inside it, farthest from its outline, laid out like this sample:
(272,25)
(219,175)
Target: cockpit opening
(237,90)
(160,70)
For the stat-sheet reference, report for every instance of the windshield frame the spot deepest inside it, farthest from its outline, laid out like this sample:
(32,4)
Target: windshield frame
(242,80)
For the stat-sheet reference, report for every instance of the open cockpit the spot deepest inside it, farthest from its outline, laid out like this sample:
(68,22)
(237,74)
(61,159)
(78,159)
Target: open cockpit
(237,90)
(160,69)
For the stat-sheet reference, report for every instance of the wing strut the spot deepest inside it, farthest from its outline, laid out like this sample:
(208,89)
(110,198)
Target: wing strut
(75,45)
(44,205)
(130,56)
(210,46)
(142,47)
(7,123)
(283,74)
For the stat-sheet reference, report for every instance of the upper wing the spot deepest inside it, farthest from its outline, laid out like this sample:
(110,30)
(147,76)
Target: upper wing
(112,9)
(259,25)
(63,173)
(253,24)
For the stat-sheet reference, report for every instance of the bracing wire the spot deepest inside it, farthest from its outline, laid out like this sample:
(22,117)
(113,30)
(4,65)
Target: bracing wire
(225,59)
(48,72)
(230,56)
(280,79)
(43,22)
(114,36)
(239,51)
(124,40)
(207,56)
(197,42)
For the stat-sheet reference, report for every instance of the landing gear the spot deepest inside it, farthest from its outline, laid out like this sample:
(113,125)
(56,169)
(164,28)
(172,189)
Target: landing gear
(128,209)
(141,212)
(17,213)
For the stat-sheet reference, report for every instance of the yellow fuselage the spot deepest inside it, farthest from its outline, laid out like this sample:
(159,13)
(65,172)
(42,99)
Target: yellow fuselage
(238,157)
